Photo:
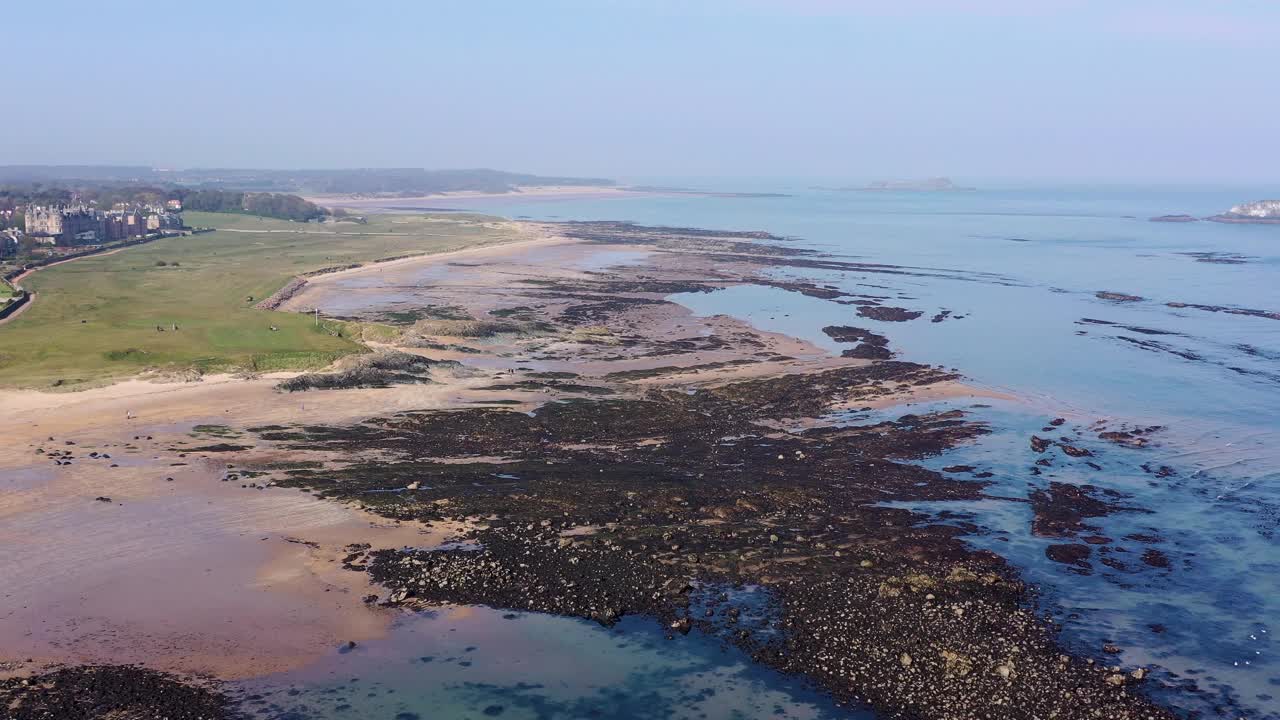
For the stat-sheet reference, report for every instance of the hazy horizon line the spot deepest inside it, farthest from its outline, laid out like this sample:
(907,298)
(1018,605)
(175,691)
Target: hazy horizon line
(622,177)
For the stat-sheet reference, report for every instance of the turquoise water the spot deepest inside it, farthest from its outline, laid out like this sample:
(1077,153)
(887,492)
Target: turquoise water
(1021,268)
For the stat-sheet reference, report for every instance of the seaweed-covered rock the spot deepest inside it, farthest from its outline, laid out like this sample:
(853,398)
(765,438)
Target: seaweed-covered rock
(110,692)
(380,369)
(671,504)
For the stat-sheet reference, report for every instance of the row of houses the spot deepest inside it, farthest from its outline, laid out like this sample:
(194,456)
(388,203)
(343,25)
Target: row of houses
(68,225)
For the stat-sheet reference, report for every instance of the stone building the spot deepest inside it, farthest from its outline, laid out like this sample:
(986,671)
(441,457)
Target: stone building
(67,225)
(82,225)
(158,221)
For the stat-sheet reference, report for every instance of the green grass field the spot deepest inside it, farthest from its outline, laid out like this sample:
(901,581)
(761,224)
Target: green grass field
(94,319)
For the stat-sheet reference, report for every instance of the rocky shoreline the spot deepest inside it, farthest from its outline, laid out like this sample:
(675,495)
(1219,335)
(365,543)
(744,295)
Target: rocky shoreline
(99,692)
(675,497)
(621,456)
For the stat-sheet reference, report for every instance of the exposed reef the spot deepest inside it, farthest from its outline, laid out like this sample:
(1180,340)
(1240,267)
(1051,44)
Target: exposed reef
(670,504)
(110,692)
(716,487)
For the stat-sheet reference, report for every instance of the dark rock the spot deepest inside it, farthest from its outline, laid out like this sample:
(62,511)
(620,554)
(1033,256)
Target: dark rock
(1155,558)
(1071,554)
(102,692)
(888,314)
(1074,451)
(1117,296)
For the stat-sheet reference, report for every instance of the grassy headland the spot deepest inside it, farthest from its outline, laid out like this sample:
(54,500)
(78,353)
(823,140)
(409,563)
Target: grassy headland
(96,319)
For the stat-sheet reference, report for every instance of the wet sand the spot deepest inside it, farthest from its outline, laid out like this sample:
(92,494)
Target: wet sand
(195,575)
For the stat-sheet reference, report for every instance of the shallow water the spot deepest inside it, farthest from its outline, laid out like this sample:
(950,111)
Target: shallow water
(474,662)
(1018,269)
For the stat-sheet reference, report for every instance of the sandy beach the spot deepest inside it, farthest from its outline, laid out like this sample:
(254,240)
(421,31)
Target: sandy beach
(180,567)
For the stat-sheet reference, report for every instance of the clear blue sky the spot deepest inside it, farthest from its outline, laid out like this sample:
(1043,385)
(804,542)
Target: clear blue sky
(1038,89)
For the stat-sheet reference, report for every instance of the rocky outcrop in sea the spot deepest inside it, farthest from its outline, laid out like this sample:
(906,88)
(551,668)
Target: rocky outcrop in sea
(1261,211)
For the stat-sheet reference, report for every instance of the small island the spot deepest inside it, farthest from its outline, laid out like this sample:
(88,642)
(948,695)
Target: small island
(1266,212)
(1260,212)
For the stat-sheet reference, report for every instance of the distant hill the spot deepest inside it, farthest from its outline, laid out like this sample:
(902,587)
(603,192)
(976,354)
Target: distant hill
(381,181)
(355,181)
(50,173)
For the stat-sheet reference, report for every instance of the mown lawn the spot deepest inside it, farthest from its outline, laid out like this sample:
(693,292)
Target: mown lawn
(95,319)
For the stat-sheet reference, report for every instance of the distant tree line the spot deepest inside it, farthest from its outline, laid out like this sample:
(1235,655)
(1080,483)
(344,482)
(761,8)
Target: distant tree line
(385,181)
(16,195)
(413,181)
(272,205)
